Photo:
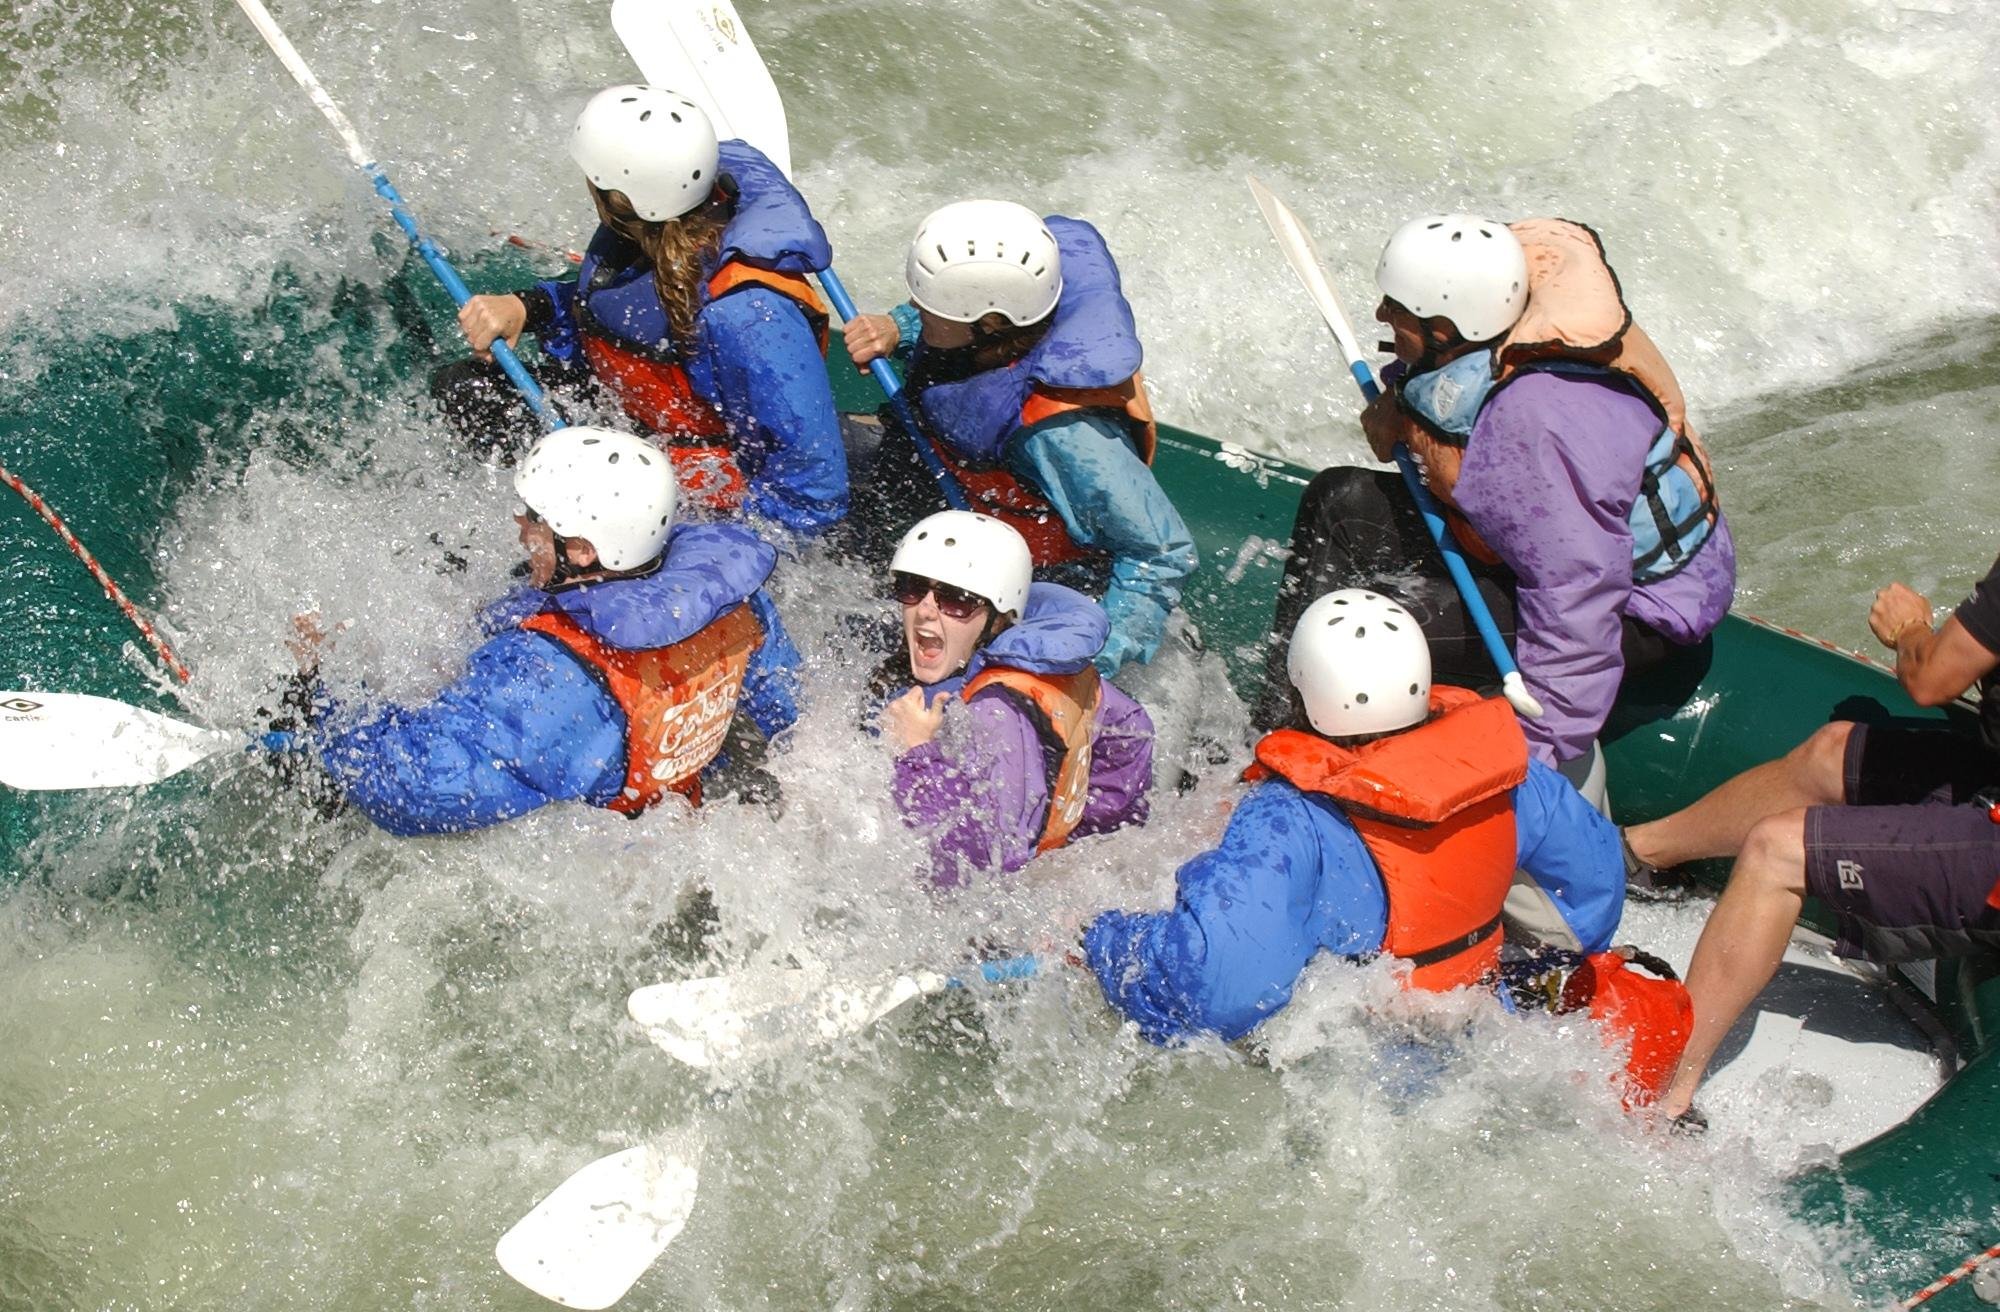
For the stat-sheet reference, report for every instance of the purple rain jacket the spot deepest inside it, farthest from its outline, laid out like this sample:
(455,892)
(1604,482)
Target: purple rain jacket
(1550,472)
(981,787)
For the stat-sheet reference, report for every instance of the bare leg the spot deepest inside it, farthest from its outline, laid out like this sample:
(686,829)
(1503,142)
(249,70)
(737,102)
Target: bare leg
(1742,943)
(1811,774)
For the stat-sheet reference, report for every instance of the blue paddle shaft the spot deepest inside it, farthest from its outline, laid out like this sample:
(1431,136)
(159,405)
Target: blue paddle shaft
(529,389)
(1454,559)
(892,387)
(1002,971)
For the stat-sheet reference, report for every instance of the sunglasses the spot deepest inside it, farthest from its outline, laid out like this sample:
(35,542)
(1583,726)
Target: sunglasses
(909,589)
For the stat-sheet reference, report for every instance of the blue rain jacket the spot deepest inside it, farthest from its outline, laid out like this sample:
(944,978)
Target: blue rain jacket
(755,357)
(528,723)
(1291,879)
(1083,464)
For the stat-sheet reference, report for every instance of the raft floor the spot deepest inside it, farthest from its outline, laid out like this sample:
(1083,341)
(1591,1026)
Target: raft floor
(1825,1060)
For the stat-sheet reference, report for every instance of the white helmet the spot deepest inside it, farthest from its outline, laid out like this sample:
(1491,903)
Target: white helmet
(614,490)
(656,146)
(1458,267)
(975,257)
(1361,664)
(972,551)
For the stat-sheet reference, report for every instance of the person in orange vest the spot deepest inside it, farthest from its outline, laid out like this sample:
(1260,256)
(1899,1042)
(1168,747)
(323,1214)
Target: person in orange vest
(1008,743)
(691,310)
(613,676)
(1391,822)
(1023,369)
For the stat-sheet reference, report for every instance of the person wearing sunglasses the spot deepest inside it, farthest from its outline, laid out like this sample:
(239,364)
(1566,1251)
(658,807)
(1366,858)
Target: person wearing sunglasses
(1024,371)
(613,676)
(1008,742)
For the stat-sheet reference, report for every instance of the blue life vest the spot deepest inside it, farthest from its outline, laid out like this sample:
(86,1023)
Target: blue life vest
(1675,511)
(1091,343)
(772,229)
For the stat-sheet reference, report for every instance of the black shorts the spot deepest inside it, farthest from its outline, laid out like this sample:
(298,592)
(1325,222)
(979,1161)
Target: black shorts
(1907,865)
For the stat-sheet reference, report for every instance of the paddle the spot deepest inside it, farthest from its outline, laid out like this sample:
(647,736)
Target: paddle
(589,1241)
(701,49)
(288,54)
(595,1235)
(57,740)
(1303,256)
(706,1023)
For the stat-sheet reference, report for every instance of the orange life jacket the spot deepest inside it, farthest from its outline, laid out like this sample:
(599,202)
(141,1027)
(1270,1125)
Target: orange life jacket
(1064,709)
(1434,806)
(654,390)
(1575,314)
(994,490)
(678,700)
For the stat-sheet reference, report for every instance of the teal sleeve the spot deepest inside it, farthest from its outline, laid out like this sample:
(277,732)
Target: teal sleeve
(1108,499)
(909,326)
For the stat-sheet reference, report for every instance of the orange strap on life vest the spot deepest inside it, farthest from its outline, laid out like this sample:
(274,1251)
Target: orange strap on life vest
(655,391)
(994,490)
(1065,709)
(1434,807)
(678,700)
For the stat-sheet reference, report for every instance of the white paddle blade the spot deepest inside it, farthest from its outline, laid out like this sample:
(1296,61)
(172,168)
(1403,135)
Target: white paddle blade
(706,1023)
(701,49)
(1303,256)
(590,1241)
(52,740)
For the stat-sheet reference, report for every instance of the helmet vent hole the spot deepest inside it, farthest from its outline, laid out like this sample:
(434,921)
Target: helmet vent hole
(951,542)
(613,460)
(1390,626)
(971,248)
(1026,256)
(675,117)
(921,536)
(1360,699)
(591,441)
(941,252)
(697,175)
(1361,631)
(628,100)
(1335,621)
(1413,690)
(1433,227)
(646,117)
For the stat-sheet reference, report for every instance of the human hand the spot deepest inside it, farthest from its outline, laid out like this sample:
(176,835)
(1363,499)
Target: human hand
(1383,423)
(304,644)
(484,318)
(869,337)
(907,722)
(1897,608)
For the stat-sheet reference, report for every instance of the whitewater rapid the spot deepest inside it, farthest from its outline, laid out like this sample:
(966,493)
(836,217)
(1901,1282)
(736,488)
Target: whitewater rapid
(256,1058)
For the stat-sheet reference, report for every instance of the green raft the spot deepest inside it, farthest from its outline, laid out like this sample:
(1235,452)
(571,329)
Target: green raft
(1925,1195)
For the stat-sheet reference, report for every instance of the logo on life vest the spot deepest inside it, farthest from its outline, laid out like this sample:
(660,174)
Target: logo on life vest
(693,732)
(1850,873)
(20,705)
